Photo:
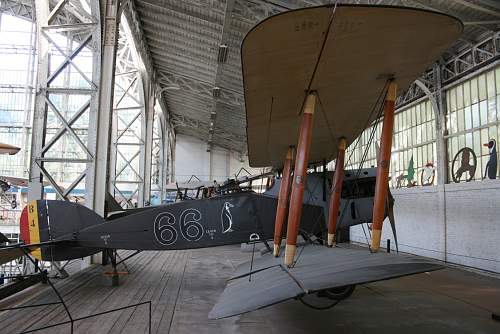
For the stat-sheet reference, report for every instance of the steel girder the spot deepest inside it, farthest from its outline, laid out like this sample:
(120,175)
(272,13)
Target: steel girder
(129,138)
(157,157)
(18,8)
(55,88)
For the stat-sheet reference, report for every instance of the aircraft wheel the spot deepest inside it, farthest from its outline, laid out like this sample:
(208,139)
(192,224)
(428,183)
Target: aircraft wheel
(340,293)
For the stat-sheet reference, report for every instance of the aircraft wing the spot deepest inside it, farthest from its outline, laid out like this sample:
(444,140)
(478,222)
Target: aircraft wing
(287,55)
(173,186)
(15,181)
(318,268)
(8,149)
(7,255)
(12,252)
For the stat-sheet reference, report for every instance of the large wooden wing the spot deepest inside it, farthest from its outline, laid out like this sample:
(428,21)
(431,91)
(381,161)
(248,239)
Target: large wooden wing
(364,46)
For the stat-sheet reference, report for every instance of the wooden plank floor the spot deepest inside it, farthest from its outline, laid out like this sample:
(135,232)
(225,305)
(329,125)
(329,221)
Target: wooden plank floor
(184,285)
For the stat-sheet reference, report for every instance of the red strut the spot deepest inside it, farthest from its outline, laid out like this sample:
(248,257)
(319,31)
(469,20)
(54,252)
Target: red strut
(299,179)
(383,167)
(281,210)
(338,179)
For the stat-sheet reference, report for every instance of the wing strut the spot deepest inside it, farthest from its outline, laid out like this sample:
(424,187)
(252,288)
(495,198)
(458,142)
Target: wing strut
(283,196)
(299,178)
(381,188)
(338,179)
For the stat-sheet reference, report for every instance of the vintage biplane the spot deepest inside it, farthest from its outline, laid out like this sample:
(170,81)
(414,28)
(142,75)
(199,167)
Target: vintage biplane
(314,79)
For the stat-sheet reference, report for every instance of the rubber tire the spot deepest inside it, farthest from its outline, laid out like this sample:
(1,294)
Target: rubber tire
(340,293)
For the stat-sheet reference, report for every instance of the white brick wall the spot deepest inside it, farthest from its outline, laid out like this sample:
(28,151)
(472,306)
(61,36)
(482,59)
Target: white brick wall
(192,158)
(458,223)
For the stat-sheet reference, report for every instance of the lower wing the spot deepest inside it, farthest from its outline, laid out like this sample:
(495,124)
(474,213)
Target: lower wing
(318,268)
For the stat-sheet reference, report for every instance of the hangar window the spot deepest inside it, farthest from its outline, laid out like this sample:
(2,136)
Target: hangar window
(413,146)
(17,64)
(472,123)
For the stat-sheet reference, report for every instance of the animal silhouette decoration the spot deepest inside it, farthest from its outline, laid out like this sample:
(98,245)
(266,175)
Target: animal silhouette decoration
(491,166)
(227,218)
(408,177)
(465,154)
(428,174)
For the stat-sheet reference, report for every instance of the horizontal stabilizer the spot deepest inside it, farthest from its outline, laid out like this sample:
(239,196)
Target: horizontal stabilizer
(319,268)
(12,252)
(7,255)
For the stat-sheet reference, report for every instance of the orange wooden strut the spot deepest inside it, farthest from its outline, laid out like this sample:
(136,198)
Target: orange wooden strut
(281,210)
(299,179)
(338,179)
(383,167)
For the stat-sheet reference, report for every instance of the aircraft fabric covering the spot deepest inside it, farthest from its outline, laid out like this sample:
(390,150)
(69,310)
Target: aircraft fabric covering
(318,268)
(344,53)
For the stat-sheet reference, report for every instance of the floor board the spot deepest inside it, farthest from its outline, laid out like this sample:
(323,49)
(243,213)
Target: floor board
(184,285)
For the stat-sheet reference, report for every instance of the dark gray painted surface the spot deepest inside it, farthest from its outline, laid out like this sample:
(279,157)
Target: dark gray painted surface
(317,268)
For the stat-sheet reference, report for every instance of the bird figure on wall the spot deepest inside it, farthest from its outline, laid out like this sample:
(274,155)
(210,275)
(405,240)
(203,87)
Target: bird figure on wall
(491,166)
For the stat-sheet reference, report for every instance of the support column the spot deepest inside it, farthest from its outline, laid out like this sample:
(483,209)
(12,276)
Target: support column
(338,180)
(35,189)
(148,145)
(441,162)
(97,182)
(299,179)
(281,210)
(383,167)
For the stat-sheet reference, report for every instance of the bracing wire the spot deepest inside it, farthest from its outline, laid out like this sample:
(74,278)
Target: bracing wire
(383,94)
(320,54)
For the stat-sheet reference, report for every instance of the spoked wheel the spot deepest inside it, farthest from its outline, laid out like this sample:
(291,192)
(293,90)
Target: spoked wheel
(326,299)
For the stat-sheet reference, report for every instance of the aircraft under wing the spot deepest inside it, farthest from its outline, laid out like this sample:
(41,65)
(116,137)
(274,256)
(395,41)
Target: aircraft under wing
(344,53)
(318,268)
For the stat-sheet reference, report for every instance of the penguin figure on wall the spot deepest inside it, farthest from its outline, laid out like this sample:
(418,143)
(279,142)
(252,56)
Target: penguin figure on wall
(491,166)
(227,218)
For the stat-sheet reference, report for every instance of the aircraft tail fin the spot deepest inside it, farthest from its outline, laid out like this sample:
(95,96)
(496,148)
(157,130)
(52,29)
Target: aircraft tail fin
(111,204)
(53,225)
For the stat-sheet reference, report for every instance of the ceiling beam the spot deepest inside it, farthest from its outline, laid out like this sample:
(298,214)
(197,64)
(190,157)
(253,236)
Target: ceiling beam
(479,8)
(226,30)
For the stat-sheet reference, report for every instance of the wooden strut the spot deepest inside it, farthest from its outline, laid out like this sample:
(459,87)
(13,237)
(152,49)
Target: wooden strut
(383,167)
(299,179)
(284,193)
(338,179)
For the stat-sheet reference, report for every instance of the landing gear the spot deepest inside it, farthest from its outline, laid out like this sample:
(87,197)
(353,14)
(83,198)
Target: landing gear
(341,293)
(326,299)
(115,278)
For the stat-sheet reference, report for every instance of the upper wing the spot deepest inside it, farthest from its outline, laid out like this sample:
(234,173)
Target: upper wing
(318,268)
(366,46)
(173,186)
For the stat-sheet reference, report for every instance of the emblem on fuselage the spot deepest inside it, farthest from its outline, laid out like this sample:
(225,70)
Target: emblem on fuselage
(226,217)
